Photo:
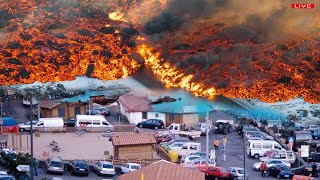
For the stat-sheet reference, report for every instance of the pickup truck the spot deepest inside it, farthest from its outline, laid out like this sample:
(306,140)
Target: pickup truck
(200,126)
(178,129)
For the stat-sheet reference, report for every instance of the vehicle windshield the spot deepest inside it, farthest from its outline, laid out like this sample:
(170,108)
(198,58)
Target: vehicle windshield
(135,167)
(82,165)
(108,166)
(7,178)
(56,164)
(303,136)
(240,171)
(285,168)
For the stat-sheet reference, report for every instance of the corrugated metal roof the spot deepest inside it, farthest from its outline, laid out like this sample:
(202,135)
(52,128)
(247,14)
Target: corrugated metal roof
(133,139)
(133,103)
(164,170)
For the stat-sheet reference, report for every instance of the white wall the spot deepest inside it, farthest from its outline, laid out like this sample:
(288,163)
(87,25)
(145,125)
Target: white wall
(135,117)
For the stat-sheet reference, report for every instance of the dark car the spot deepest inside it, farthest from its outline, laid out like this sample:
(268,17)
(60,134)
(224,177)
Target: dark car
(151,123)
(222,127)
(78,167)
(280,171)
(314,157)
(308,168)
(70,122)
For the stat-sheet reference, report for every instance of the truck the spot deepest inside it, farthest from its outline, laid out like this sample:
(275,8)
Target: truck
(201,126)
(50,122)
(179,129)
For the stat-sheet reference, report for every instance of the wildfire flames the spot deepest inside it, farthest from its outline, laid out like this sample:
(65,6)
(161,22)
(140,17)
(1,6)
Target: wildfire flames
(204,53)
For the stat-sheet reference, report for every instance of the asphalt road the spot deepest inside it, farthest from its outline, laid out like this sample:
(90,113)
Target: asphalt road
(234,152)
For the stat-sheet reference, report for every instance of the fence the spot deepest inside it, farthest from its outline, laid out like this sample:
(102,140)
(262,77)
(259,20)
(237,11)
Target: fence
(161,152)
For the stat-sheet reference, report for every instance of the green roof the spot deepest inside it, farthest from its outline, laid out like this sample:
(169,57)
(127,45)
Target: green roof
(185,103)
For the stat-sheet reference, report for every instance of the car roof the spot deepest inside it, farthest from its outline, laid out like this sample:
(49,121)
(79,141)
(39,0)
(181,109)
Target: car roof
(105,162)
(133,164)
(236,167)
(79,161)
(56,159)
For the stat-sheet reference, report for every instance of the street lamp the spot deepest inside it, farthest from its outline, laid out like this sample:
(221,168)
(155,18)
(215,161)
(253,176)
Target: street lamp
(31,139)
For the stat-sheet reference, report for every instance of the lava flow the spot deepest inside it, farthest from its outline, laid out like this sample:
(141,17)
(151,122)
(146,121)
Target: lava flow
(236,49)
(59,40)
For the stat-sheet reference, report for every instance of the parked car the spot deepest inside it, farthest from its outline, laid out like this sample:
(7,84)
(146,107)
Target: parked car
(314,145)
(7,177)
(26,126)
(201,164)
(175,146)
(217,172)
(283,155)
(222,127)
(165,137)
(54,165)
(202,154)
(314,157)
(78,167)
(104,168)
(189,158)
(256,166)
(280,171)
(200,126)
(300,137)
(311,127)
(176,139)
(70,122)
(129,167)
(236,173)
(257,148)
(308,168)
(270,153)
(315,133)
(104,111)
(189,148)
(152,124)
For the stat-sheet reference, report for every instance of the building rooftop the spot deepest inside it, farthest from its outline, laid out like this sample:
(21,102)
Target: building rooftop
(132,103)
(164,170)
(133,139)
(49,104)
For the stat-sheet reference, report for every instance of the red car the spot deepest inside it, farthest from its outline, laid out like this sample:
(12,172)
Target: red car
(217,172)
(163,138)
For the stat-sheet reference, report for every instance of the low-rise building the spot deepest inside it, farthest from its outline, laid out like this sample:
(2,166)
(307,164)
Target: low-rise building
(133,146)
(66,110)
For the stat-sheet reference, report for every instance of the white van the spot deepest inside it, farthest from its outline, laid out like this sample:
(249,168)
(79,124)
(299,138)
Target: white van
(84,121)
(189,148)
(257,148)
(50,123)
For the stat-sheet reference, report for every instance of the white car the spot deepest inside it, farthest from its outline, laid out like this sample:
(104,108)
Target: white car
(129,167)
(26,126)
(176,146)
(189,158)
(270,163)
(104,168)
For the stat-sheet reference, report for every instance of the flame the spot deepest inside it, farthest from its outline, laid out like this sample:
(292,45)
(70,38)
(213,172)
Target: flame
(117,16)
(171,76)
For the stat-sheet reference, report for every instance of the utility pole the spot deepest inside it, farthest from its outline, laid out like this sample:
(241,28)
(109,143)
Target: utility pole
(207,136)
(31,139)
(244,158)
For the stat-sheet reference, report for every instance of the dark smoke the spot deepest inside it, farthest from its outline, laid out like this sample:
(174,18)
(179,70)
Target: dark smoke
(166,22)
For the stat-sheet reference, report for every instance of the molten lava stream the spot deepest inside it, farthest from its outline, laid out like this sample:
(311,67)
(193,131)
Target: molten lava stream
(170,76)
